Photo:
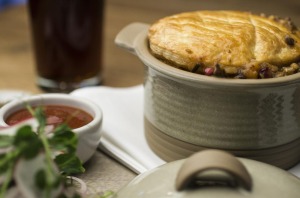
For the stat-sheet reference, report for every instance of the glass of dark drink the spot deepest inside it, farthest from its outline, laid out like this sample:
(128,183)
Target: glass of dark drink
(67,37)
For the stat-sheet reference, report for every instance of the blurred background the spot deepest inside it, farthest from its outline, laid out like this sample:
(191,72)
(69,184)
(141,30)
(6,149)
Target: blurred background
(8,3)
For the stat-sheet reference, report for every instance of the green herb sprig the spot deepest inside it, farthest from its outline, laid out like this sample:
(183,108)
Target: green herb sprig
(37,164)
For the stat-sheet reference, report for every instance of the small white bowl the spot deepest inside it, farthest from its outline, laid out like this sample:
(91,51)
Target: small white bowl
(88,135)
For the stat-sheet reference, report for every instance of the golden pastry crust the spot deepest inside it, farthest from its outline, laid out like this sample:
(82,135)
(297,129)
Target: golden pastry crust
(226,42)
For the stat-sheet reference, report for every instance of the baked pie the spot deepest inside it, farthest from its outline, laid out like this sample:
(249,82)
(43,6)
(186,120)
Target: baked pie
(227,44)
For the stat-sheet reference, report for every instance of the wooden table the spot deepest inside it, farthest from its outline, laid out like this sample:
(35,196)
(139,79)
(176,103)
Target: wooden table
(121,69)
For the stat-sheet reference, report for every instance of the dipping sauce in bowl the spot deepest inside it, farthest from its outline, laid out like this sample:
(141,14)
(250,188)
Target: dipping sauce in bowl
(83,116)
(55,115)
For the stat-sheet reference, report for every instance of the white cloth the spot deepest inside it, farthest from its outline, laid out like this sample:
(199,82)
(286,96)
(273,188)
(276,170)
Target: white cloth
(123,131)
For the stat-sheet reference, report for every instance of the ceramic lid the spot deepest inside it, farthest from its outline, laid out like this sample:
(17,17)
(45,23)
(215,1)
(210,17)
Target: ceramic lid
(213,174)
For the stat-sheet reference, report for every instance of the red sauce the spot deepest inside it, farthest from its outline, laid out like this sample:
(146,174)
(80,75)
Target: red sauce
(55,115)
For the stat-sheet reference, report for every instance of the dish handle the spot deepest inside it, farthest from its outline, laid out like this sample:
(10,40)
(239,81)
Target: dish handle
(213,167)
(127,36)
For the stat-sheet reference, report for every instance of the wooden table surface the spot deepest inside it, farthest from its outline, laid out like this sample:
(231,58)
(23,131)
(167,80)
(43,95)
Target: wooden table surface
(121,69)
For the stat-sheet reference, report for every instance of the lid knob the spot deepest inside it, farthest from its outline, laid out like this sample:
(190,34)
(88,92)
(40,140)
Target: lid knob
(213,160)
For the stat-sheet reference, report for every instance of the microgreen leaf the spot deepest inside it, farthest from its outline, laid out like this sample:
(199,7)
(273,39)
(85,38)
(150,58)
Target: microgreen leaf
(61,128)
(69,164)
(24,135)
(4,163)
(40,179)
(28,142)
(39,114)
(29,160)
(28,172)
(63,139)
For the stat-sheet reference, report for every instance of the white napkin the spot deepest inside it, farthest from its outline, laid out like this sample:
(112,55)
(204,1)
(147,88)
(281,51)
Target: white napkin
(123,131)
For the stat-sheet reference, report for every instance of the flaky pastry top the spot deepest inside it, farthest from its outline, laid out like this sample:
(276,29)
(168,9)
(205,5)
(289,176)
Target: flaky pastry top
(231,42)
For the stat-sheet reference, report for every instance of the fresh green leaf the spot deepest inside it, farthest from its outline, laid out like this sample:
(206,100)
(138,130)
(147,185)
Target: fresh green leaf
(27,173)
(32,150)
(39,114)
(69,164)
(57,182)
(28,142)
(40,179)
(64,140)
(24,135)
(7,181)
(62,128)
(35,149)
(4,163)
(76,196)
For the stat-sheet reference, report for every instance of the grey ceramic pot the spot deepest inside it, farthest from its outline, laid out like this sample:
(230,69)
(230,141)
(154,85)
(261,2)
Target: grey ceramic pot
(187,112)
(213,174)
